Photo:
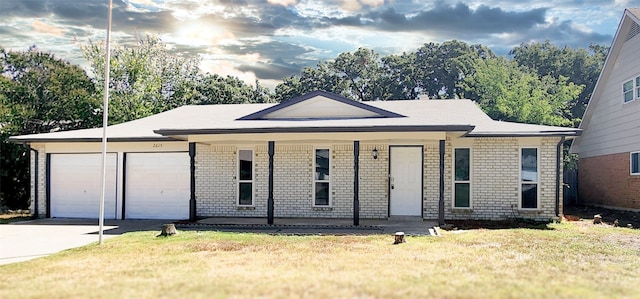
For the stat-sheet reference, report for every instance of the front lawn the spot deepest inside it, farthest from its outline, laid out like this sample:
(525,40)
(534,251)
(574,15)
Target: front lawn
(570,260)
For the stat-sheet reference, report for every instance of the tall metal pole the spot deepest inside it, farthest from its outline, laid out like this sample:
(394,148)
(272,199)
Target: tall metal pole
(105,121)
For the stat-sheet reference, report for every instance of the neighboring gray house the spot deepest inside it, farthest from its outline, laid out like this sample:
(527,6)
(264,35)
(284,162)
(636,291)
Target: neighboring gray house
(319,155)
(609,149)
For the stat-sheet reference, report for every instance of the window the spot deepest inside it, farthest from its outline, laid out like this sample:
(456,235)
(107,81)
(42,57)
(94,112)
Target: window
(321,178)
(529,178)
(635,163)
(245,177)
(631,90)
(462,178)
(627,91)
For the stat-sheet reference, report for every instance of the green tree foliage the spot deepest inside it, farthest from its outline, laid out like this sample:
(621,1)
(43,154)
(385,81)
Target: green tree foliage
(580,66)
(214,89)
(144,78)
(506,91)
(38,94)
(436,70)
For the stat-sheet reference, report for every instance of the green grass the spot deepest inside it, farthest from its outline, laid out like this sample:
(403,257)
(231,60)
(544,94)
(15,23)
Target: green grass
(570,260)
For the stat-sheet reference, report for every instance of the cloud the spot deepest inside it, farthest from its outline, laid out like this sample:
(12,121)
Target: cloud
(458,19)
(42,27)
(283,2)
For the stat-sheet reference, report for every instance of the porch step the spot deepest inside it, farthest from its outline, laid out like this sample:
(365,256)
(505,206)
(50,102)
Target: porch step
(406,218)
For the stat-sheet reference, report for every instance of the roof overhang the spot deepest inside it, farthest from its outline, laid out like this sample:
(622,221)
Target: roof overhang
(570,133)
(119,139)
(436,128)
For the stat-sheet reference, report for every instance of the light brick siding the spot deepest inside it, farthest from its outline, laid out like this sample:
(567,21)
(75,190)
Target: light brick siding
(606,180)
(495,180)
(374,181)
(216,185)
(42,179)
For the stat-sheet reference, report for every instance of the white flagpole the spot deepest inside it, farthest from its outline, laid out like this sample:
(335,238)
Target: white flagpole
(105,121)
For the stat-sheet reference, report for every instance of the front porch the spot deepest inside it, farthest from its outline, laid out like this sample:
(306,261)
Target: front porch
(409,225)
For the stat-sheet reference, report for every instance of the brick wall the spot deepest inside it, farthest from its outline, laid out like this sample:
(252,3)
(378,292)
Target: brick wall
(495,180)
(606,180)
(42,185)
(216,185)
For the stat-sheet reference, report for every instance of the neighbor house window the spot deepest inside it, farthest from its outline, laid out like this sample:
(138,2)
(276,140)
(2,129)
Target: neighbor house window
(635,163)
(321,178)
(529,178)
(462,178)
(627,91)
(245,177)
(631,90)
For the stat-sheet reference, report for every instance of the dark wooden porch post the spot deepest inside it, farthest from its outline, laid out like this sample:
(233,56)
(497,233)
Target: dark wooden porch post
(356,183)
(441,201)
(270,198)
(192,199)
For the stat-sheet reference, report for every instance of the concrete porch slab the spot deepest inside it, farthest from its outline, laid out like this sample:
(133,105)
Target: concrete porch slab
(313,226)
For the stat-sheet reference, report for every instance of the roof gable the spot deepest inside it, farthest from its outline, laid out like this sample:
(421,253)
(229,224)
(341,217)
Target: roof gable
(628,28)
(320,105)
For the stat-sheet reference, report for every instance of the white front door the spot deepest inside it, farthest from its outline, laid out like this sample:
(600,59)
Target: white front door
(405,181)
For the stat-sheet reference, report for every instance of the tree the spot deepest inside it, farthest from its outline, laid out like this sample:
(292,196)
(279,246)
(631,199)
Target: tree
(144,79)
(322,77)
(38,94)
(214,89)
(580,66)
(508,92)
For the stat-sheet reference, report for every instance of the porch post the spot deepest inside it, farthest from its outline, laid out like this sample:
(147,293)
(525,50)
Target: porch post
(270,198)
(192,173)
(441,201)
(356,183)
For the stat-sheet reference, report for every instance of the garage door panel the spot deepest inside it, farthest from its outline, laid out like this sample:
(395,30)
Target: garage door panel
(157,186)
(76,182)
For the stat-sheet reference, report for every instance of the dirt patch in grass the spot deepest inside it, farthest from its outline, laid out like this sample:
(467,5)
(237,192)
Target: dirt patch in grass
(574,213)
(495,224)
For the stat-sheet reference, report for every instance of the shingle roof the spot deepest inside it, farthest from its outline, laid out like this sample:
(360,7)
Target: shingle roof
(421,115)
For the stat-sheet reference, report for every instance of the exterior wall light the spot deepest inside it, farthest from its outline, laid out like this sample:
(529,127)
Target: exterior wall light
(374,153)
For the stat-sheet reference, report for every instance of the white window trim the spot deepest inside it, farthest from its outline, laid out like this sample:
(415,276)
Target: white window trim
(631,163)
(313,178)
(635,89)
(454,181)
(253,178)
(520,181)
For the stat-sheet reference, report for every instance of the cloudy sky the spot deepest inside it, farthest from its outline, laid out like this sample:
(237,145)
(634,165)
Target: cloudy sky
(271,39)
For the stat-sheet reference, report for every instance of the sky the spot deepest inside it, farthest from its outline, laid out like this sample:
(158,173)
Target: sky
(269,40)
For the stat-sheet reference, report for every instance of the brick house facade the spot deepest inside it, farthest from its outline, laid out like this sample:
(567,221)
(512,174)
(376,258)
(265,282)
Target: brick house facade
(440,159)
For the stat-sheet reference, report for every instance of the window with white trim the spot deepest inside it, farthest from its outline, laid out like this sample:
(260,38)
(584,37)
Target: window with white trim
(635,163)
(631,90)
(529,178)
(245,177)
(321,178)
(462,178)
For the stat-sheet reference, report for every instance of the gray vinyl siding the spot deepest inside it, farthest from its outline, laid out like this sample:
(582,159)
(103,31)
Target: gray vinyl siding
(614,126)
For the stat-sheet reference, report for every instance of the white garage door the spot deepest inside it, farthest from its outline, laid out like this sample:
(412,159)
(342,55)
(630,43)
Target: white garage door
(76,181)
(157,186)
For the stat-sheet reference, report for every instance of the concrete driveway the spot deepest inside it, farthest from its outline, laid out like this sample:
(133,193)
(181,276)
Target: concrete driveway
(22,241)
